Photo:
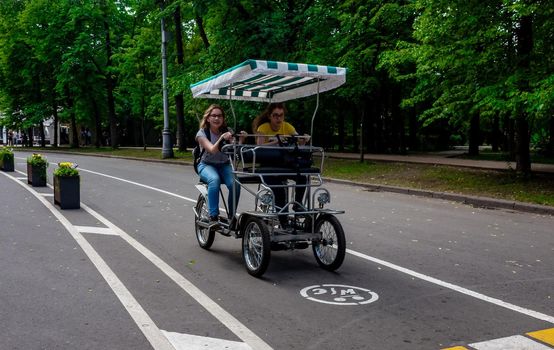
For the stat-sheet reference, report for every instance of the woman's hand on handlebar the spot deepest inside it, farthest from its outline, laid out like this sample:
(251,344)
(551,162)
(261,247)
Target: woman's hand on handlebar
(241,136)
(227,136)
(304,139)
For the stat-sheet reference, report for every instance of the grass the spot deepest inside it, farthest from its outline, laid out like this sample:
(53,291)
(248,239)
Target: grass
(539,189)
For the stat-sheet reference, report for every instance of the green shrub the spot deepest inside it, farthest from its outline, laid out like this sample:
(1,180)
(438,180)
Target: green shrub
(6,154)
(66,169)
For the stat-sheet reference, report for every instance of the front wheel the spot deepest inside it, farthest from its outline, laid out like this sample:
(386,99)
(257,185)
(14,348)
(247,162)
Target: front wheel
(330,251)
(204,235)
(256,246)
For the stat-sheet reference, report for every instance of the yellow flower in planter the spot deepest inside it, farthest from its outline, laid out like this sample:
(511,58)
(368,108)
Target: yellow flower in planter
(36,170)
(67,186)
(37,160)
(66,169)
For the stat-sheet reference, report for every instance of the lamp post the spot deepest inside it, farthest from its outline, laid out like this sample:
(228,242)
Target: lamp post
(167,147)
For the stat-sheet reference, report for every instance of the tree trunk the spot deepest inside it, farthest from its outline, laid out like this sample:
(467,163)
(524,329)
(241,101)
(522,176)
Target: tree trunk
(142,121)
(30,137)
(179,103)
(524,47)
(341,131)
(523,157)
(474,135)
(74,132)
(56,121)
(495,134)
(550,145)
(97,124)
(41,134)
(362,121)
(355,127)
(413,143)
(201,31)
(110,87)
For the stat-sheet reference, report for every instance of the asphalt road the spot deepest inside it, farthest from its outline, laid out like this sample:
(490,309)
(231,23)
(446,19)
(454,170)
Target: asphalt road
(125,271)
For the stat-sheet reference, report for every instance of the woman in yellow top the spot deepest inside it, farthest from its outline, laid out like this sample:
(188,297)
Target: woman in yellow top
(272,122)
(267,125)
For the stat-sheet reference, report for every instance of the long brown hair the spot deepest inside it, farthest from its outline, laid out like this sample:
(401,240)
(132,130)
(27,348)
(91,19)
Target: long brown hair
(264,117)
(204,123)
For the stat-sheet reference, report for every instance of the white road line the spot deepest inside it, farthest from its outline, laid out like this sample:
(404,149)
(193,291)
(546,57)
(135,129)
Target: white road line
(211,306)
(95,229)
(47,194)
(412,273)
(195,342)
(516,342)
(456,288)
(141,318)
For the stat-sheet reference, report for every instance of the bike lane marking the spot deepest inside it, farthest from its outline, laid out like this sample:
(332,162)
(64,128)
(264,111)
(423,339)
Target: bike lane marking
(339,294)
(232,323)
(155,335)
(448,285)
(135,310)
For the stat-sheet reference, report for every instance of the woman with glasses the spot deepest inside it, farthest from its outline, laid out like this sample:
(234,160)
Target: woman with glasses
(267,126)
(215,167)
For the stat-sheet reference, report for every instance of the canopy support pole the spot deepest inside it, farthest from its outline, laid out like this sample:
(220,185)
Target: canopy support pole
(232,109)
(315,112)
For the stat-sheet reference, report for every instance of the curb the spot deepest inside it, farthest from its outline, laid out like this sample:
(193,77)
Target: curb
(476,201)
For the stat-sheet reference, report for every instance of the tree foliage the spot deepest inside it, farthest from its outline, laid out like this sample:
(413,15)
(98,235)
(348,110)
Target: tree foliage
(421,73)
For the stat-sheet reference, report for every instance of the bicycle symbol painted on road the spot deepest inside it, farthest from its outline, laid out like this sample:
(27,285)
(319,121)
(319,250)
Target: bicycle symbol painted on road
(338,294)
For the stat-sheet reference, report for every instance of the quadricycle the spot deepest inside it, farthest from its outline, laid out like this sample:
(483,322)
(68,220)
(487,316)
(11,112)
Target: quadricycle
(266,226)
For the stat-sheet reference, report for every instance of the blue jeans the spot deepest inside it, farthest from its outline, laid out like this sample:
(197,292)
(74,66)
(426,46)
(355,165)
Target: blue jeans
(214,175)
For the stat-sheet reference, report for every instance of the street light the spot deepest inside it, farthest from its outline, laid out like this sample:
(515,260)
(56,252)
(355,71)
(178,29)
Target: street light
(167,147)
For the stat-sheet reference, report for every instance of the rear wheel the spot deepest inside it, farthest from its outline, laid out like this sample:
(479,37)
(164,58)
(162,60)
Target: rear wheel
(330,251)
(256,246)
(204,235)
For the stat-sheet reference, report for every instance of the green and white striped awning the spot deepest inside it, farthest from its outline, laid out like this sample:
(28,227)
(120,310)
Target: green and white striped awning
(269,81)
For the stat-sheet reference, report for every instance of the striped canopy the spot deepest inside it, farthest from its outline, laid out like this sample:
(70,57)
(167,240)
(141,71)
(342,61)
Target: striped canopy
(269,81)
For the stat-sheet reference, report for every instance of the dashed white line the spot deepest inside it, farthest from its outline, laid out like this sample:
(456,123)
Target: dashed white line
(96,230)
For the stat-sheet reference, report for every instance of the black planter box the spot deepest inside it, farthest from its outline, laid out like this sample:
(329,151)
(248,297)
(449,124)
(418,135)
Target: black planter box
(67,192)
(36,175)
(7,164)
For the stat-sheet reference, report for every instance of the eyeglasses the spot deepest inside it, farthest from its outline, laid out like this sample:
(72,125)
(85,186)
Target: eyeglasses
(216,116)
(278,115)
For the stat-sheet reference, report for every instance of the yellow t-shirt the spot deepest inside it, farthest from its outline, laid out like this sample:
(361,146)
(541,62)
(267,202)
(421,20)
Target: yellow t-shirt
(285,129)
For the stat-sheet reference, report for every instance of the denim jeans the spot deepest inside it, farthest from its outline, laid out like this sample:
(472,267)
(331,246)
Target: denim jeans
(214,175)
